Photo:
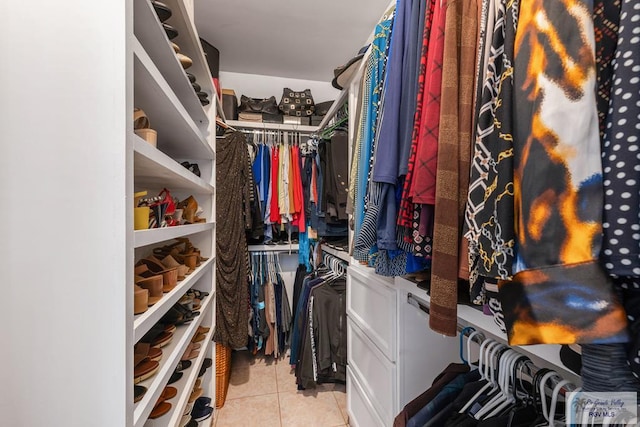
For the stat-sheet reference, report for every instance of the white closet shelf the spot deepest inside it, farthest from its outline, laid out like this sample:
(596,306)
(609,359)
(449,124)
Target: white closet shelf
(153,168)
(343,255)
(171,354)
(148,30)
(274,248)
(184,386)
(156,235)
(190,45)
(178,135)
(143,322)
(542,355)
(272,126)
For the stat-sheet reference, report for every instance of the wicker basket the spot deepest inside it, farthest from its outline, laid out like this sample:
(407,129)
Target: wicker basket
(223,372)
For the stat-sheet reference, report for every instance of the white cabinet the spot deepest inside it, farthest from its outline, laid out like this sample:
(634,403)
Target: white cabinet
(393,356)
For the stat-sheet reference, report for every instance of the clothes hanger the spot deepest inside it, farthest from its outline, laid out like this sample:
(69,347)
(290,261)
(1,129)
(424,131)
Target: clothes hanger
(554,399)
(483,368)
(503,393)
(469,340)
(510,398)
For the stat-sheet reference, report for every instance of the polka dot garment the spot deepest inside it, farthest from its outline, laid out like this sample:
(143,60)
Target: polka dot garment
(621,152)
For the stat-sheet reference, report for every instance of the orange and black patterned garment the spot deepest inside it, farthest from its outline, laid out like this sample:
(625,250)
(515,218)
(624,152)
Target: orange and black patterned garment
(559,292)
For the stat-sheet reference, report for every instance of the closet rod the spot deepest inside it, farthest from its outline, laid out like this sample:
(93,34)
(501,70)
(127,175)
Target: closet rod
(479,338)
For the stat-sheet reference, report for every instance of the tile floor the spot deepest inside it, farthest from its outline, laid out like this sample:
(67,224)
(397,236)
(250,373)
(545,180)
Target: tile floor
(262,392)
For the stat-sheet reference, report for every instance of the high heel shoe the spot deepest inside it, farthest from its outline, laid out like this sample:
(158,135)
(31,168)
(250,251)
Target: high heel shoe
(190,211)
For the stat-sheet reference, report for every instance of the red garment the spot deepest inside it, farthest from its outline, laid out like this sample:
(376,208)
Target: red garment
(405,215)
(299,218)
(274,214)
(423,185)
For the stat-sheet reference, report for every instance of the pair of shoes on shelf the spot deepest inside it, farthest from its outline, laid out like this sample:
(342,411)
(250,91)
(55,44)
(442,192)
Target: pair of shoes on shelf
(162,406)
(201,409)
(142,127)
(191,352)
(196,392)
(145,364)
(159,335)
(151,268)
(206,364)
(179,315)
(200,334)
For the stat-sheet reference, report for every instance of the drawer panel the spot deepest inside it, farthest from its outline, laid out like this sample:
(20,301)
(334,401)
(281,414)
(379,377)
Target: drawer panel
(371,303)
(359,407)
(375,372)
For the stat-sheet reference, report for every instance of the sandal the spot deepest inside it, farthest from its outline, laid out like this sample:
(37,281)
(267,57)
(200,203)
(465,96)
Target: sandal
(167,394)
(191,352)
(182,365)
(154,354)
(138,393)
(140,299)
(143,367)
(162,10)
(153,284)
(159,410)
(170,262)
(169,275)
(142,127)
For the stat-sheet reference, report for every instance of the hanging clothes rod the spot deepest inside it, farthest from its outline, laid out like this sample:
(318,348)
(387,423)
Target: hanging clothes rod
(479,337)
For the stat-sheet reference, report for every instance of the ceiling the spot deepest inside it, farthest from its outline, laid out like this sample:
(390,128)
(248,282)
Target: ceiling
(302,39)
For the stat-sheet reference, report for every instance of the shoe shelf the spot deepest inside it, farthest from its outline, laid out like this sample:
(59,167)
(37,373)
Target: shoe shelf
(156,235)
(153,168)
(185,386)
(149,32)
(142,323)
(178,134)
(171,354)
(272,126)
(189,42)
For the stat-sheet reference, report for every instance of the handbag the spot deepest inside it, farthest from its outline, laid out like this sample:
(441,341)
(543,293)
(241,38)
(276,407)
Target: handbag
(257,105)
(298,104)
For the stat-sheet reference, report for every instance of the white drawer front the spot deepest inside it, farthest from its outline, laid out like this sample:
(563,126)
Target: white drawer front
(359,407)
(371,303)
(376,373)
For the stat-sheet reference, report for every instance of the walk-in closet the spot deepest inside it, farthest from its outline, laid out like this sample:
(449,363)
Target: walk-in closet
(373,213)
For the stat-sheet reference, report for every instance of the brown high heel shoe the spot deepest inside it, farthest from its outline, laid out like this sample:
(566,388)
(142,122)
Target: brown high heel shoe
(189,208)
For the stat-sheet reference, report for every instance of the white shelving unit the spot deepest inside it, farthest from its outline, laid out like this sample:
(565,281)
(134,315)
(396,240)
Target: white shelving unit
(293,247)
(186,132)
(157,235)
(272,126)
(143,322)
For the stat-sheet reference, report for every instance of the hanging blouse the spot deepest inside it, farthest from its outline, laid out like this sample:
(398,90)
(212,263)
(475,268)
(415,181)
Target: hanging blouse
(559,294)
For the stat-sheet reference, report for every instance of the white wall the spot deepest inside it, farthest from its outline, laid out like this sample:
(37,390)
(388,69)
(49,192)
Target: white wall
(258,86)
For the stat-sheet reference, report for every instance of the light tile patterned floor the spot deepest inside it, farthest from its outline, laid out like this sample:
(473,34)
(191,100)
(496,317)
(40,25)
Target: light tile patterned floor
(262,392)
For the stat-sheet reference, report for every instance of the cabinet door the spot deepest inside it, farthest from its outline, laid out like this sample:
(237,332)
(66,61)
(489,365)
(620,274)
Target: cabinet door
(361,410)
(376,373)
(371,303)
(422,353)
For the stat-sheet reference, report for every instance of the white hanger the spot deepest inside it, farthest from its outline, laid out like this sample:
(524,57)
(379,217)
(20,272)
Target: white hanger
(483,368)
(554,398)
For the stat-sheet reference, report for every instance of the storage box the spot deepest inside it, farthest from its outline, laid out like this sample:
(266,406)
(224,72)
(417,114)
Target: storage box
(293,120)
(230,104)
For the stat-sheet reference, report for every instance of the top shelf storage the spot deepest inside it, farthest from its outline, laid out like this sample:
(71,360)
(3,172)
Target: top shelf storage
(149,32)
